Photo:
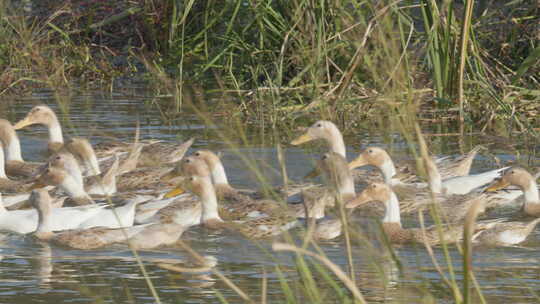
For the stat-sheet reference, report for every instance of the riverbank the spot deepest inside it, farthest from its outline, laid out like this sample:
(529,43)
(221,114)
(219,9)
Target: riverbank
(278,61)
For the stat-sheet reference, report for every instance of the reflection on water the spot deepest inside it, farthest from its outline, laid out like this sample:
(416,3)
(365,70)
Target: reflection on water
(32,271)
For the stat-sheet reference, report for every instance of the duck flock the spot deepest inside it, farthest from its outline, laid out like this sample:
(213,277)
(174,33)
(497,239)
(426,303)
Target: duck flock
(148,193)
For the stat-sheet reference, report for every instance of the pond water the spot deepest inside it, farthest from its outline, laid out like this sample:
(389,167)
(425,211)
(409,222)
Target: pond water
(31,271)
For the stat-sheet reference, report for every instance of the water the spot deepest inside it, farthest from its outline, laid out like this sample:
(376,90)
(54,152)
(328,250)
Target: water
(31,271)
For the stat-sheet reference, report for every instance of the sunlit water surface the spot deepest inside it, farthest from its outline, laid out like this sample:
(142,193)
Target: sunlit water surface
(35,272)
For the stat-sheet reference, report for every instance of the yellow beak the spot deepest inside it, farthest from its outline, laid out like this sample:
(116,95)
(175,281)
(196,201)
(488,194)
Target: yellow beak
(302,139)
(23,123)
(358,162)
(497,185)
(174,192)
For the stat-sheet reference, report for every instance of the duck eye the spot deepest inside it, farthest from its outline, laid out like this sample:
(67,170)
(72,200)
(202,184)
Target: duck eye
(187,160)
(192,179)
(370,151)
(197,153)
(319,125)
(325,156)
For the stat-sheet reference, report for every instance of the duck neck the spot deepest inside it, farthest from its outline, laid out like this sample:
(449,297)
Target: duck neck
(92,166)
(74,189)
(209,204)
(346,188)
(531,193)
(2,164)
(434,177)
(2,208)
(392,210)
(388,171)
(75,171)
(218,174)
(44,221)
(13,149)
(55,132)
(336,143)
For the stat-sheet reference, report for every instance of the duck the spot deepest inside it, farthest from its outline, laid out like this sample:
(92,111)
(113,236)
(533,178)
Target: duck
(459,184)
(379,158)
(83,239)
(157,235)
(26,221)
(326,229)
(153,152)
(101,184)
(127,177)
(391,222)
(526,182)
(15,166)
(257,228)
(235,204)
(505,234)
(122,216)
(63,165)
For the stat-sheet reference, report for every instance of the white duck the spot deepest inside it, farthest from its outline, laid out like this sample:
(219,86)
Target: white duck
(26,221)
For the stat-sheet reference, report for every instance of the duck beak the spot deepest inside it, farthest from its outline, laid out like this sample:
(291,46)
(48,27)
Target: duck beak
(23,123)
(497,185)
(358,162)
(174,192)
(361,199)
(302,139)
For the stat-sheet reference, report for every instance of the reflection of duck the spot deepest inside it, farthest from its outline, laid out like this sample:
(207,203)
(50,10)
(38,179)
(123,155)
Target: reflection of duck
(152,153)
(391,222)
(526,182)
(15,164)
(80,238)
